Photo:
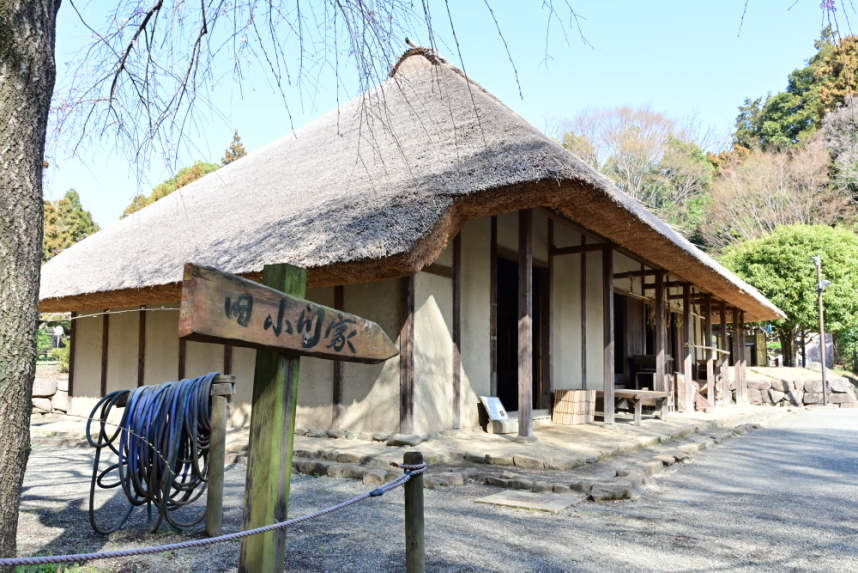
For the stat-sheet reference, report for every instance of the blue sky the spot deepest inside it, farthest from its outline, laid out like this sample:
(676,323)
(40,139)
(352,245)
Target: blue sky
(677,57)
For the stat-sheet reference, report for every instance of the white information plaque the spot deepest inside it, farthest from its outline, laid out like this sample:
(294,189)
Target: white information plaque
(494,408)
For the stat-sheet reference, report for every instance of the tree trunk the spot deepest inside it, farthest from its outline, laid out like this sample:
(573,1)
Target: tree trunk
(787,338)
(27,73)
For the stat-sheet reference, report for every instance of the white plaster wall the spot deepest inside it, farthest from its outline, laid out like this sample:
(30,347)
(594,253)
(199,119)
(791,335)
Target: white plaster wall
(595,337)
(371,391)
(316,379)
(567,312)
(161,363)
(508,230)
(623,264)
(433,353)
(123,350)
(202,358)
(243,367)
(540,237)
(87,363)
(476,318)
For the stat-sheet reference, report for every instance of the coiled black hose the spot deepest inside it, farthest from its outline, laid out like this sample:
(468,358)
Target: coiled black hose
(162,443)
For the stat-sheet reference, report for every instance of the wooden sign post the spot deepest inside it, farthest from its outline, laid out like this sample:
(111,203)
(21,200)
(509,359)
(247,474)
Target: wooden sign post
(275,319)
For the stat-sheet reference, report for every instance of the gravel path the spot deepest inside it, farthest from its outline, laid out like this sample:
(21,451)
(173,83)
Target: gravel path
(781,499)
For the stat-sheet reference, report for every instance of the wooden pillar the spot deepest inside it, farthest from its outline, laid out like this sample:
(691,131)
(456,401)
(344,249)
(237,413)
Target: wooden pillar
(183,355)
(141,346)
(608,330)
(415,541)
(525,323)
(658,335)
(548,328)
(227,359)
(710,365)
(457,332)
(584,315)
(222,388)
(741,397)
(72,345)
(493,333)
(272,433)
(337,398)
(724,358)
(406,355)
(105,337)
(687,362)
(743,373)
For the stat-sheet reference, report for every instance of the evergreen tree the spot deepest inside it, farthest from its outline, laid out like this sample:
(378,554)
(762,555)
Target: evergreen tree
(235,151)
(183,177)
(66,223)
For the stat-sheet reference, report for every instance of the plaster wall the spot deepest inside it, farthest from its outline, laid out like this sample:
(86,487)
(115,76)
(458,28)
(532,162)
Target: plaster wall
(595,337)
(371,391)
(87,364)
(202,358)
(122,350)
(316,378)
(566,360)
(476,318)
(161,363)
(433,353)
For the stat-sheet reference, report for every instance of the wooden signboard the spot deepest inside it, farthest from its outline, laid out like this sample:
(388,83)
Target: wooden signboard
(222,308)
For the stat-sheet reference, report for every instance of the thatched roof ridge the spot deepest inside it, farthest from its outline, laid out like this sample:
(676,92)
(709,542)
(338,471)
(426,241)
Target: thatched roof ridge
(372,190)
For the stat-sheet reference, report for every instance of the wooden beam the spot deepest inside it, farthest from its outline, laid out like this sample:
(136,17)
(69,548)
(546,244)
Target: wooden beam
(548,328)
(440,270)
(457,332)
(493,332)
(711,394)
(72,346)
(668,284)
(557,252)
(183,355)
(608,331)
(512,255)
(227,359)
(583,316)
(658,335)
(631,274)
(725,358)
(406,355)
(337,386)
(272,434)
(687,362)
(105,337)
(141,346)
(525,324)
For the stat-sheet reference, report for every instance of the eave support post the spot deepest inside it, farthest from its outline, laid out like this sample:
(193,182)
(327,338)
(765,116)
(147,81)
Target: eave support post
(687,362)
(525,325)
(711,395)
(724,358)
(660,378)
(608,331)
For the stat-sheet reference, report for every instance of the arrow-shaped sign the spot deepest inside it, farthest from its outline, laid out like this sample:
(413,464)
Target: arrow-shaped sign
(225,309)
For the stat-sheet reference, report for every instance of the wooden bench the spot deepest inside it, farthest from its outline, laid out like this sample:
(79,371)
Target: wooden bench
(637,397)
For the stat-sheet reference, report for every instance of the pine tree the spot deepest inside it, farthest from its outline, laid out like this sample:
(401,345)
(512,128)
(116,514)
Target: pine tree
(235,150)
(66,223)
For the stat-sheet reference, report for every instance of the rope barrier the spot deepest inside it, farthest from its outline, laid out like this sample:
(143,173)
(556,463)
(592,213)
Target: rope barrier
(164,438)
(410,470)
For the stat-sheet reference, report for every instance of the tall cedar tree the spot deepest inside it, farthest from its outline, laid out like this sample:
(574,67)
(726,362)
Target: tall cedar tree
(66,223)
(183,177)
(235,151)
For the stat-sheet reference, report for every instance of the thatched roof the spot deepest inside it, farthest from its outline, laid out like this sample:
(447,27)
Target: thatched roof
(372,190)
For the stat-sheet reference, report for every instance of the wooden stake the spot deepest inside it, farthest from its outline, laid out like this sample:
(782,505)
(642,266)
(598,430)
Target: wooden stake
(457,332)
(525,323)
(608,331)
(406,355)
(222,388)
(272,433)
(415,544)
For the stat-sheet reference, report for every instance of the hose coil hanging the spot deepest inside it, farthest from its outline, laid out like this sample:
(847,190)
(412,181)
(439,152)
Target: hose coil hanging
(162,443)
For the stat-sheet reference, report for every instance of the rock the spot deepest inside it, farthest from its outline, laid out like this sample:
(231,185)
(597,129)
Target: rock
(365,436)
(509,475)
(755,396)
(476,458)
(563,464)
(521,484)
(63,383)
(354,472)
(455,456)
(705,444)
(611,491)
(561,488)
(783,386)
(759,384)
(840,385)
(317,434)
(813,397)
(44,387)
(301,431)
(581,485)
(391,475)
(666,459)
(450,479)
(374,477)
(776,396)
(741,430)
(349,458)
(351,436)
(60,401)
(41,405)
(543,487)
(404,440)
(814,386)
(335,470)
(677,454)
(794,398)
(329,455)
(689,449)
(849,405)
(312,468)
(528,462)
(336,434)
(766,397)
(378,437)
(497,481)
(840,398)
(241,460)
(499,460)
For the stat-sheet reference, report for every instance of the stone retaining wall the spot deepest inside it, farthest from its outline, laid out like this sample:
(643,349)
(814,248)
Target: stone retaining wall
(803,389)
(50,394)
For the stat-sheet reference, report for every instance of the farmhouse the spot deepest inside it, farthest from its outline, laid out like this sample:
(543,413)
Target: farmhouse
(501,264)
